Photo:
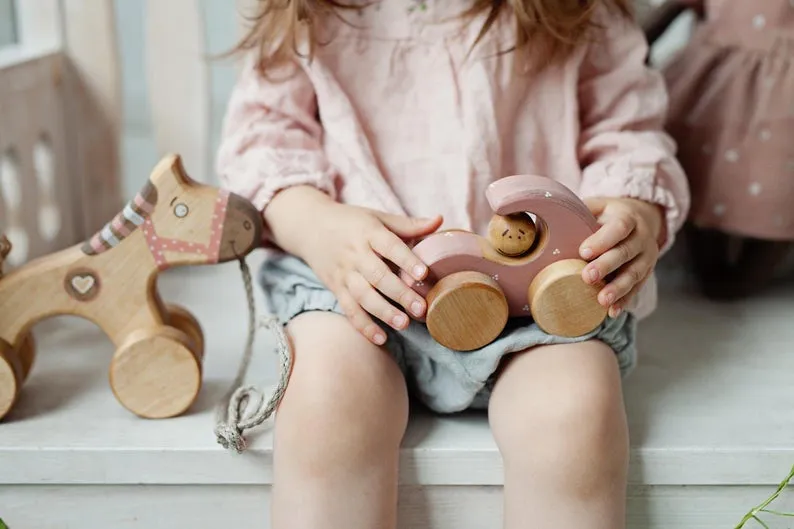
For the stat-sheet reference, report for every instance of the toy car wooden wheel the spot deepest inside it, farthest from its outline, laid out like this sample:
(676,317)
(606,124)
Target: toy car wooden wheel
(15,366)
(562,304)
(185,321)
(466,311)
(156,373)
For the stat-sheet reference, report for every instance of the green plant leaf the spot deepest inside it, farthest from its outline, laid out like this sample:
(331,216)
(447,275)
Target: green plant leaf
(3,524)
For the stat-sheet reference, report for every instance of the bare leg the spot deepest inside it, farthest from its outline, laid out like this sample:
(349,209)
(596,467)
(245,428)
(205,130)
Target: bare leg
(338,430)
(558,418)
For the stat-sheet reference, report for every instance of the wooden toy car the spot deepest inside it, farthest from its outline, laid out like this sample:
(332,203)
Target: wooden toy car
(528,266)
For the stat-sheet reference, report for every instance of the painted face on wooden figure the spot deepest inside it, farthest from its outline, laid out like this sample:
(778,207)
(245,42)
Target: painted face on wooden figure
(512,235)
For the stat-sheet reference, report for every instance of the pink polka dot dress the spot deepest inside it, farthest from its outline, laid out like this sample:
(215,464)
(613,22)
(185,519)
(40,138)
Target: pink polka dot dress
(732,115)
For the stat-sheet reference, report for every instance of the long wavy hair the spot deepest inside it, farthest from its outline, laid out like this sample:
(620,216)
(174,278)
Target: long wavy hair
(553,27)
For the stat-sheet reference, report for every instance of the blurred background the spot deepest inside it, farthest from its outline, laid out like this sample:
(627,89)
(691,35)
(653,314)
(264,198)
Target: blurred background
(220,26)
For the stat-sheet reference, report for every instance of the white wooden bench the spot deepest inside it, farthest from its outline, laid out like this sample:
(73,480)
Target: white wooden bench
(709,404)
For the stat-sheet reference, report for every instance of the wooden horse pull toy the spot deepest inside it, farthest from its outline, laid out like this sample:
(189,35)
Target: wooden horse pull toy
(523,268)
(111,280)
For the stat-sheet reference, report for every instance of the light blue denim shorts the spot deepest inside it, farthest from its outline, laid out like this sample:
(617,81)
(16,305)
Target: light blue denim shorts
(446,381)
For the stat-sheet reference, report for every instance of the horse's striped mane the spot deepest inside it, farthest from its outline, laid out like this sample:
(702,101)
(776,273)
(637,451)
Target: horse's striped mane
(127,221)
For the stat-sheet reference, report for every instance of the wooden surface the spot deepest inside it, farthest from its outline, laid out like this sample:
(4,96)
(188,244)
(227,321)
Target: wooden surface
(511,235)
(466,311)
(442,507)
(709,408)
(561,303)
(708,405)
(111,281)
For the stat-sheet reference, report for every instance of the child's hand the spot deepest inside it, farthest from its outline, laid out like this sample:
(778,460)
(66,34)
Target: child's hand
(626,245)
(347,250)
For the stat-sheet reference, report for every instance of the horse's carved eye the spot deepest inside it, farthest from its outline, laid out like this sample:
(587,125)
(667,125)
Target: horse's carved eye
(181,210)
(247,225)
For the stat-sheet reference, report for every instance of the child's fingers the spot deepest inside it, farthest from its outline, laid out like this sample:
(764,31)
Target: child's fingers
(622,303)
(612,232)
(612,259)
(389,246)
(373,302)
(359,318)
(630,275)
(379,275)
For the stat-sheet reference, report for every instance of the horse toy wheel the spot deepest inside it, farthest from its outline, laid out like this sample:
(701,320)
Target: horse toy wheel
(183,319)
(466,311)
(156,373)
(561,303)
(15,366)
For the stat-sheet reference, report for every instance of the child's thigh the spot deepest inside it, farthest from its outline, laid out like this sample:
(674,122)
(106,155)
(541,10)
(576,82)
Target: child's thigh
(338,374)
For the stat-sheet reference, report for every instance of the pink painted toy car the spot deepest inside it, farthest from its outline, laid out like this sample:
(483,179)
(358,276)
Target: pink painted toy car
(528,266)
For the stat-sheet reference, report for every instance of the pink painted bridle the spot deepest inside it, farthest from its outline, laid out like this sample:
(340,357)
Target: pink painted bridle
(158,245)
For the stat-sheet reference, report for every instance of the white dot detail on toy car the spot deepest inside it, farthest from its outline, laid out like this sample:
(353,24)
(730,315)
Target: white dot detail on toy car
(759,21)
(719,210)
(420,283)
(495,277)
(525,308)
(732,155)
(547,195)
(556,251)
(754,189)
(448,234)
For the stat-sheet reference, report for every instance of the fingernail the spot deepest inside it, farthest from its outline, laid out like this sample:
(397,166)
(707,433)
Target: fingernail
(610,299)
(399,320)
(593,273)
(616,312)
(419,271)
(416,308)
(586,253)
(379,338)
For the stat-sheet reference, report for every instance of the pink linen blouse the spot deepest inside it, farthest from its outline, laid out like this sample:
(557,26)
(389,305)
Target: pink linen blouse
(395,113)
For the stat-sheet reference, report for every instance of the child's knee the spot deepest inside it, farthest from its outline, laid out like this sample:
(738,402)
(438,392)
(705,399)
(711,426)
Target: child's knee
(572,432)
(344,396)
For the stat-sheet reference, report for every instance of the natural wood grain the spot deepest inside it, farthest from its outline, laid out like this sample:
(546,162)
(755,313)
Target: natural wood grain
(184,320)
(561,302)
(466,311)
(538,223)
(431,507)
(511,235)
(156,373)
(111,281)
(15,366)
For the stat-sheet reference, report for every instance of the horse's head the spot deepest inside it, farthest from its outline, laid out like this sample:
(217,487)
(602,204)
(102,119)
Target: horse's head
(192,223)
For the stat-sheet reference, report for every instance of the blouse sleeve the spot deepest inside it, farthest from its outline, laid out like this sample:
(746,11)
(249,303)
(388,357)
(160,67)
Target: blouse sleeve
(271,138)
(623,148)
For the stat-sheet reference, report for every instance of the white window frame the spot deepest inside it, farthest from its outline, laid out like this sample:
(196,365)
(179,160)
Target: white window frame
(38,30)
